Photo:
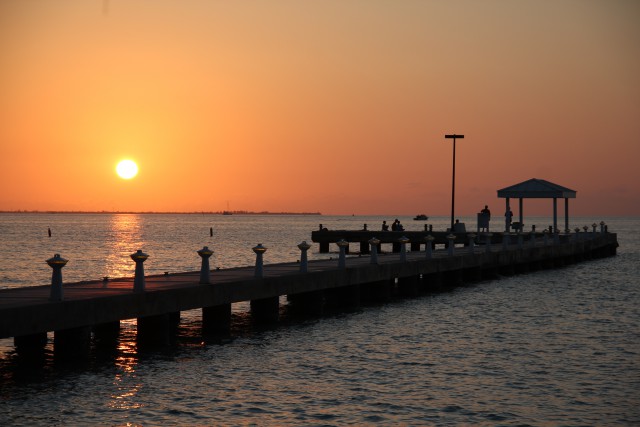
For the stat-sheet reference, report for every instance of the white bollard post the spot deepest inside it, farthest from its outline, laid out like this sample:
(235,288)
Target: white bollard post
(403,248)
(56,263)
(451,246)
(205,271)
(487,247)
(602,227)
(259,270)
(374,250)
(577,235)
(429,246)
(342,259)
(472,242)
(304,262)
(139,258)
(505,240)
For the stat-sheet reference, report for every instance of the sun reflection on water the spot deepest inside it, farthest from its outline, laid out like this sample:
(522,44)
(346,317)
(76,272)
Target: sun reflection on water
(125,382)
(124,238)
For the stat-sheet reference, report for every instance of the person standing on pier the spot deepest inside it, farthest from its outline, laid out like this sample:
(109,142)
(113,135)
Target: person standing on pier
(385,227)
(508,216)
(486,217)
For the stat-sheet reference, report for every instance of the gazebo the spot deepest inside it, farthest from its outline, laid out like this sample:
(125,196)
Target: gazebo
(539,189)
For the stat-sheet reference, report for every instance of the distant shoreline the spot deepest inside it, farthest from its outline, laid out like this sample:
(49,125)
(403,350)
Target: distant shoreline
(164,213)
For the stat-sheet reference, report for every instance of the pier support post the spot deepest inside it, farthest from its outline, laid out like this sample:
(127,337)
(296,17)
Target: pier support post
(520,240)
(265,310)
(139,258)
(556,237)
(374,250)
(380,291)
(342,244)
(364,248)
(428,247)
(307,303)
(304,262)
(415,246)
(155,330)
(72,344)
(433,282)
(409,286)
(56,263)
(545,236)
(453,278)
(324,247)
(107,332)
(345,297)
(30,345)
(259,250)
(532,239)
(205,271)
(403,248)
(216,320)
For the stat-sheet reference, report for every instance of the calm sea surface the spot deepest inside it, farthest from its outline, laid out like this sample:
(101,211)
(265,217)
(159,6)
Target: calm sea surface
(555,347)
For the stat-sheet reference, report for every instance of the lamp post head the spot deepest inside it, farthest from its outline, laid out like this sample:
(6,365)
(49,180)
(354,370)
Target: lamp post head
(404,240)
(374,242)
(454,136)
(429,238)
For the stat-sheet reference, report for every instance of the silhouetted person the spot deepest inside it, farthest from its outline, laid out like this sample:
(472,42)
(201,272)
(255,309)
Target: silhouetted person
(508,215)
(385,227)
(486,217)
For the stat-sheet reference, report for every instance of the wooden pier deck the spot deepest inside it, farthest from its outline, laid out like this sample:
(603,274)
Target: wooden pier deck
(26,312)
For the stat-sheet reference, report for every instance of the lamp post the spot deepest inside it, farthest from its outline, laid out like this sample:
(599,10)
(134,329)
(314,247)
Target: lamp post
(453,181)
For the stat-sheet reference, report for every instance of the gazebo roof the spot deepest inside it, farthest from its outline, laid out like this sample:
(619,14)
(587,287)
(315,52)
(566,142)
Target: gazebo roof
(536,189)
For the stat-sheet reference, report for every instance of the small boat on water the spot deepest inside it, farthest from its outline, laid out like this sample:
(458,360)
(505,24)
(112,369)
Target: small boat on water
(421,217)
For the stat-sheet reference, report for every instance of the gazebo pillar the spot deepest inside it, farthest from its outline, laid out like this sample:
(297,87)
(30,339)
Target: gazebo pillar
(555,214)
(520,210)
(506,221)
(566,214)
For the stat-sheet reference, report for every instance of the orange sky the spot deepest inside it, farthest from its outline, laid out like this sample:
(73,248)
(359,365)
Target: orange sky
(332,106)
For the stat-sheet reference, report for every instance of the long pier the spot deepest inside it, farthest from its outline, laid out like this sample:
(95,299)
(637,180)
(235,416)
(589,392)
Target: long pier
(94,309)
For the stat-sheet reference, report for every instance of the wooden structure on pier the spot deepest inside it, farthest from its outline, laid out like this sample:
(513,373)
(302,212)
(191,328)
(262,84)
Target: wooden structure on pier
(539,189)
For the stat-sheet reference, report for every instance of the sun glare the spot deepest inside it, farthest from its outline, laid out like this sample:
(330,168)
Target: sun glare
(127,169)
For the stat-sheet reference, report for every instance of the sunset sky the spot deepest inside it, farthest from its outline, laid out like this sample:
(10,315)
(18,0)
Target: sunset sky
(339,107)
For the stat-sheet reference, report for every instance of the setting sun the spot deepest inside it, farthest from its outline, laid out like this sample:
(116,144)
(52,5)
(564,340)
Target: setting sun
(127,169)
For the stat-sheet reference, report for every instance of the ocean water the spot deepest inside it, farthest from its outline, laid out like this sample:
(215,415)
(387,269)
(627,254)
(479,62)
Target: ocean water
(554,347)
